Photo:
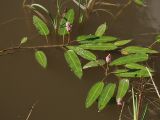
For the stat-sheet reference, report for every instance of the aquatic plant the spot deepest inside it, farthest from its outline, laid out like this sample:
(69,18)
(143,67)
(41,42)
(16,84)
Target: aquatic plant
(129,67)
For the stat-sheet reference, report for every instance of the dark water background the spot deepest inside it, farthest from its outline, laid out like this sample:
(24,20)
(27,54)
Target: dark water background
(59,93)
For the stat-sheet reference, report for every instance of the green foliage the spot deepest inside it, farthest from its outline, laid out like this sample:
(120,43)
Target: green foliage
(24,40)
(133,58)
(99,46)
(94,93)
(69,17)
(40,26)
(41,58)
(139,2)
(106,95)
(94,64)
(74,63)
(101,30)
(122,89)
(122,42)
(83,53)
(136,49)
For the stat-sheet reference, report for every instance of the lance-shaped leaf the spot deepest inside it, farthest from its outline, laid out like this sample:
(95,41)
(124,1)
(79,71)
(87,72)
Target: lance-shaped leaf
(99,46)
(133,58)
(41,58)
(122,42)
(121,71)
(74,63)
(137,66)
(95,63)
(94,93)
(106,96)
(86,37)
(136,49)
(24,40)
(134,74)
(122,89)
(69,17)
(40,26)
(83,53)
(101,30)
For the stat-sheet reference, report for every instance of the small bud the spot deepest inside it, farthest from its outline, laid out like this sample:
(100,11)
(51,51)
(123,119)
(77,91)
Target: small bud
(108,58)
(68,26)
(119,102)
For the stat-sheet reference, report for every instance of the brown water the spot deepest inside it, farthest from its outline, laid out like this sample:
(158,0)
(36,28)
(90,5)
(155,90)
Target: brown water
(59,93)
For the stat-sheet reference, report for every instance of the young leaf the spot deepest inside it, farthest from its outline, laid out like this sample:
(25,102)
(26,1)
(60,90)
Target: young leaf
(99,46)
(41,58)
(24,40)
(74,63)
(94,93)
(94,64)
(122,89)
(106,96)
(134,74)
(83,53)
(136,49)
(133,58)
(69,17)
(139,2)
(40,26)
(33,6)
(101,30)
(122,42)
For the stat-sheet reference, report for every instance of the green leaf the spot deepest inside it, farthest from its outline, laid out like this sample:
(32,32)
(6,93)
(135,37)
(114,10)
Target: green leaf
(99,46)
(24,40)
(40,26)
(133,58)
(122,42)
(94,64)
(74,63)
(86,37)
(134,74)
(41,58)
(102,39)
(122,89)
(101,30)
(139,2)
(94,93)
(121,71)
(136,49)
(69,17)
(83,53)
(33,6)
(158,38)
(136,66)
(106,96)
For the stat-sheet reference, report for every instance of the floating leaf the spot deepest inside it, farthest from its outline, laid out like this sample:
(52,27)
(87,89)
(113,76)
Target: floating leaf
(24,40)
(106,96)
(94,64)
(40,26)
(94,93)
(41,58)
(99,46)
(134,74)
(136,66)
(102,39)
(33,6)
(122,42)
(122,89)
(139,2)
(136,49)
(121,71)
(74,63)
(101,30)
(69,17)
(133,58)
(83,53)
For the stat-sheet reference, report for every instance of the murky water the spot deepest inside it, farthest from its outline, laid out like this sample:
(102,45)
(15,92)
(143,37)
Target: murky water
(59,93)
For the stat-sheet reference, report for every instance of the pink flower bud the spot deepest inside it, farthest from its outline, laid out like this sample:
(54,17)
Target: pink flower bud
(68,26)
(108,58)
(119,102)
